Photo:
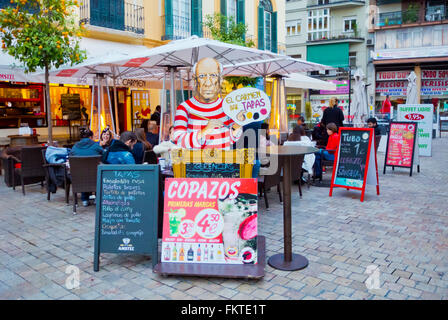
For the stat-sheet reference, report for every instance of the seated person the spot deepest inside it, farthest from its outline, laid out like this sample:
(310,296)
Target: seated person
(299,137)
(328,153)
(120,150)
(106,138)
(141,146)
(301,122)
(150,127)
(320,135)
(83,148)
(372,123)
(86,146)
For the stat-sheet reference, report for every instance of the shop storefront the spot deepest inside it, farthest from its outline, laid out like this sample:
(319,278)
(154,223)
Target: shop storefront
(433,90)
(320,100)
(21,104)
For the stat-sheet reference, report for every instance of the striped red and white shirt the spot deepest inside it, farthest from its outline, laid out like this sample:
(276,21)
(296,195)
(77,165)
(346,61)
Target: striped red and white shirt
(187,125)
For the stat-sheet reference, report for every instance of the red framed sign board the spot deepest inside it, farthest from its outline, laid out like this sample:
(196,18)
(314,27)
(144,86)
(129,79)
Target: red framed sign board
(402,149)
(355,163)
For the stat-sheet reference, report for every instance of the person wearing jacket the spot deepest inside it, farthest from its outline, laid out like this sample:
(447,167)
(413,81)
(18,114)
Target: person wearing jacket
(142,145)
(328,153)
(83,148)
(299,138)
(333,114)
(120,150)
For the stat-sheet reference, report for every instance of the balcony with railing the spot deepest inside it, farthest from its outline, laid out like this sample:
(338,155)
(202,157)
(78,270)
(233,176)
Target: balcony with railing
(313,4)
(318,37)
(113,14)
(436,13)
(178,28)
(432,15)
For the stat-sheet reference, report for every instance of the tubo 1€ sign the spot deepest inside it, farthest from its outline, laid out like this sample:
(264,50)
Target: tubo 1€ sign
(247,105)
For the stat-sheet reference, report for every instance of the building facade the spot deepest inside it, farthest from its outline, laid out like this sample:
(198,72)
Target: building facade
(121,25)
(330,32)
(409,36)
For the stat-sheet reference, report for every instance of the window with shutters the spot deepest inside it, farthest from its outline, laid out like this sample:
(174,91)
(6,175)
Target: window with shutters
(231,9)
(181,18)
(267,26)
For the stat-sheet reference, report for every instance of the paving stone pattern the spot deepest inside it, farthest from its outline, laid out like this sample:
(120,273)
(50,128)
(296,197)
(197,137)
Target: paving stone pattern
(401,235)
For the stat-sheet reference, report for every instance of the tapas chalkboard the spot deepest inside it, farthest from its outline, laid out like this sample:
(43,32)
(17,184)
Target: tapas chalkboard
(126,211)
(71,106)
(402,149)
(355,155)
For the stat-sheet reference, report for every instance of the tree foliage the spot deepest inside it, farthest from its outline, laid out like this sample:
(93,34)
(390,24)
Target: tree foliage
(226,29)
(41,33)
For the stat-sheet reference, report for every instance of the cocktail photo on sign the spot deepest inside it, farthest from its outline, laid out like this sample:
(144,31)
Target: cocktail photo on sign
(402,146)
(210,221)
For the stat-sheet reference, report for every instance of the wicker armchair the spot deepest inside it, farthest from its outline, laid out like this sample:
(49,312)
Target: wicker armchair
(65,186)
(31,170)
(296,170)
(83,171)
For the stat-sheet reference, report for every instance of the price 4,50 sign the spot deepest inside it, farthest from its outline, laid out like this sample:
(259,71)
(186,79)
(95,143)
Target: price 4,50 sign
(209,223)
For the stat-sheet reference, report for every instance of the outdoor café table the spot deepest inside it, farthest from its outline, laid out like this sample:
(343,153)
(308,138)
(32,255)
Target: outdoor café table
(288,261)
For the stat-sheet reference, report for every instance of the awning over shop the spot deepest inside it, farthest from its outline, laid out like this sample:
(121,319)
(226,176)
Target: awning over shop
(333,54)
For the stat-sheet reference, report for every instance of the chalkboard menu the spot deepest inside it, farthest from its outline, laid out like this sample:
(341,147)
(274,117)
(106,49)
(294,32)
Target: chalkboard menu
(355,162)
(71,106)
(212,170)
(126,211)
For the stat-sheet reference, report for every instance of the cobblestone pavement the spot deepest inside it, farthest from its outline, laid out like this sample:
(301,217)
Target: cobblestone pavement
(404,232)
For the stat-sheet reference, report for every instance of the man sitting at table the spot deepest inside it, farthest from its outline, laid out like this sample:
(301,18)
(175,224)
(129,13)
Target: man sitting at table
(200,122)
(120,150)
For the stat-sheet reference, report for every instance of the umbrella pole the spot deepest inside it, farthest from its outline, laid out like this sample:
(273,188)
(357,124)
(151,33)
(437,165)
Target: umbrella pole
(100,93)
(172,93)
(181,85)
(117,123)
(110,108)
(91,105)
(162,115)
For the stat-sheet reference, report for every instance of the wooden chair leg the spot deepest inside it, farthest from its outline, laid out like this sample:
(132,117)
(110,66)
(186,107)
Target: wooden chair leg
(279,190)
(265,198)
(75,202)
(300,188)
(23,186)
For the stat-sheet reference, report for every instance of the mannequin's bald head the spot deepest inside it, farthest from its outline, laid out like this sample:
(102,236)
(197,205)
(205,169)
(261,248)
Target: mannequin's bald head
(207,79)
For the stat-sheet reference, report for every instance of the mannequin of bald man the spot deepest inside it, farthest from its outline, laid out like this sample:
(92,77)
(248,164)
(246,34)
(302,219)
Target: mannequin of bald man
(207,79)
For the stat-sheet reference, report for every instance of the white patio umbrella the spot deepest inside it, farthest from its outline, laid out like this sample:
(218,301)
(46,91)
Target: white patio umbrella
(181,55)
(411,95)
(359,104)
(298,80)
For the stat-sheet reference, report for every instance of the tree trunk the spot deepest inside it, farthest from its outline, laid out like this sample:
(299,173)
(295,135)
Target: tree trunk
(48,105)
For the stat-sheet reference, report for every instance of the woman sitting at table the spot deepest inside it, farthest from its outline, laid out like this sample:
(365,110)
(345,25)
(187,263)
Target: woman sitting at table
(299,137)
(165,147)
(328,152)
(106,138)
(142,145)
(83,148)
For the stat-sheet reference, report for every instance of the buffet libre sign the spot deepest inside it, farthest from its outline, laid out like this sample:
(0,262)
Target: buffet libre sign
(247,105)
